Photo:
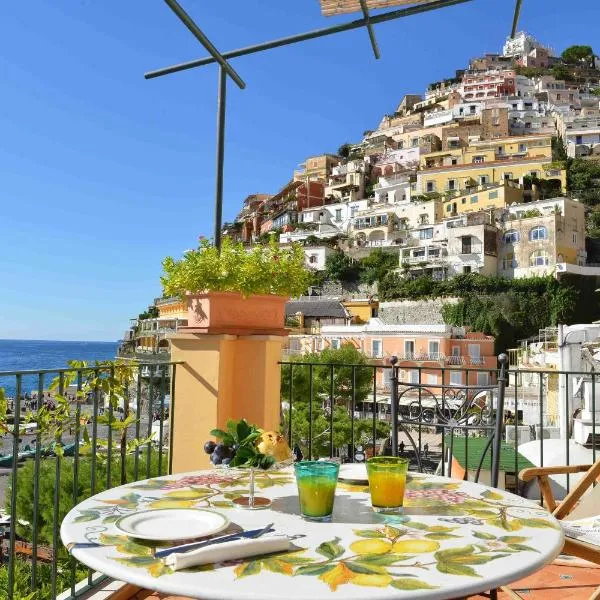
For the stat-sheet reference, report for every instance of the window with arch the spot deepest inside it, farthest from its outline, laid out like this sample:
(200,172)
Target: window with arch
(511,236)
(539,258)
(509,262)
(538,233)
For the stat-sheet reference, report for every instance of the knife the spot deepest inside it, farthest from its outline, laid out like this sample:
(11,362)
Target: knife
(251,534)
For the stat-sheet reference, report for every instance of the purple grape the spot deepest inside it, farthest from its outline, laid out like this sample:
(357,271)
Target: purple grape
(215,459)
(226,461)
(209,447)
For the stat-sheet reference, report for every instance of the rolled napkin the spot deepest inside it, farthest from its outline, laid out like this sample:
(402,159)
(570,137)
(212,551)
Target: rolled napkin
(234,550)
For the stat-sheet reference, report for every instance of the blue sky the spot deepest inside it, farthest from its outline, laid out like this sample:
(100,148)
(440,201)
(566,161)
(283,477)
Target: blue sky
(102,173)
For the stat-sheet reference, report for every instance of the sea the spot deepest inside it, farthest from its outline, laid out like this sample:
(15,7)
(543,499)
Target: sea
(26,355)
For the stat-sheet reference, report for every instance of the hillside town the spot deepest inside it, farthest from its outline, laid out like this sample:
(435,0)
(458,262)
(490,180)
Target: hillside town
(469,178)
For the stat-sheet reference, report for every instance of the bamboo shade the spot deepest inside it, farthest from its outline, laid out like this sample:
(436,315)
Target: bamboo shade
(339,7)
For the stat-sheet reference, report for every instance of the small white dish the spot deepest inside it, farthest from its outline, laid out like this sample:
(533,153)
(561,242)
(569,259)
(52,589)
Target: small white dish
(166,524)
(354,473)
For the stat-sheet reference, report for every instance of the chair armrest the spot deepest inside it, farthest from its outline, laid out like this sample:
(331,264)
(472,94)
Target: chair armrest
(532,472)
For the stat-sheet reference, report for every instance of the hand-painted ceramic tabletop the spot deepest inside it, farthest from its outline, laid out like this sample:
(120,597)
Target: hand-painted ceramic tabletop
(456,538)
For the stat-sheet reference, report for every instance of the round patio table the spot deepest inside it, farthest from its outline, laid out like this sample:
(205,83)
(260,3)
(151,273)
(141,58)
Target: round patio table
(456,538)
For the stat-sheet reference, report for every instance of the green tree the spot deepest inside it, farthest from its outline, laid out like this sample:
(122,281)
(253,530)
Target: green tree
(562,72)
(352,379)
(377,265)
(576,54)
(583,180)
(559,150)
(340,267)
(344,150)
(593,222)
(150,313)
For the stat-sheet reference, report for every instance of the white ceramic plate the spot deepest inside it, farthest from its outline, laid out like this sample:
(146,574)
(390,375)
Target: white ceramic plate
(354,472)
(168,524)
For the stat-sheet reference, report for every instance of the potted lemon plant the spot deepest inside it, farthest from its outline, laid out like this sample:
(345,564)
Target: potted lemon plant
(236,290)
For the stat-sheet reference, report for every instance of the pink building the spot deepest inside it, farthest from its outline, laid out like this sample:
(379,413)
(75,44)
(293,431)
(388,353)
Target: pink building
(489,84)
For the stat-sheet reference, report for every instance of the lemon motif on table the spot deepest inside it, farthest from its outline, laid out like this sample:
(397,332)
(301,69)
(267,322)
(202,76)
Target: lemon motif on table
(415,546)
(371,547)
(173,504)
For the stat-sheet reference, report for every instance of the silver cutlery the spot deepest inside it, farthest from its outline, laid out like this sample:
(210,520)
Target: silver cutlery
(251,534)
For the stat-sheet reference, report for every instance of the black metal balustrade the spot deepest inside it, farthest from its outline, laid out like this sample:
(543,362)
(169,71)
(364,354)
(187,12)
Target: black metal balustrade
(444,403)
(108,410)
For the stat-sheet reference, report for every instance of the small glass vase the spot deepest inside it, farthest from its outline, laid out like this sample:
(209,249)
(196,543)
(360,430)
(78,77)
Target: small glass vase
(252,501)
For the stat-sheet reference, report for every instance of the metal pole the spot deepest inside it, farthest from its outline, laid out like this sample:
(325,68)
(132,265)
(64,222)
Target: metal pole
(516,18)
(367,16)
(310,35)
(199,35)
(394,404)
(498,426)
(221,106)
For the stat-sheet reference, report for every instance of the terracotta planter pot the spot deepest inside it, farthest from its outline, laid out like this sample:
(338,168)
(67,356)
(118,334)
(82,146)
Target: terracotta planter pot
(231,313)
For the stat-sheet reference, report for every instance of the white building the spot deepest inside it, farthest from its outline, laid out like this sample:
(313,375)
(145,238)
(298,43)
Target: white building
(392,189)
(316,257)
(581,134)
(528,115)
(521,44)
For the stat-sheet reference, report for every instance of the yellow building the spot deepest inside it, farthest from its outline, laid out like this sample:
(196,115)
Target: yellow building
(507,148)
(172,308)
(540,235)
(483,197)
(461,177)
(361,310)
(317,166)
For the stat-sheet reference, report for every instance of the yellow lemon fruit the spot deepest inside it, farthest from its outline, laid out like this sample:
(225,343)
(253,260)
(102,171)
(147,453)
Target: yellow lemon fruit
(185,494)
(415,546)
(273,444)
(371,546)
(173,504)
(372,580)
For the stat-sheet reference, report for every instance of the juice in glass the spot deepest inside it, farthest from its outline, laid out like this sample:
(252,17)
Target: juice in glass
(316,488)
(387,481)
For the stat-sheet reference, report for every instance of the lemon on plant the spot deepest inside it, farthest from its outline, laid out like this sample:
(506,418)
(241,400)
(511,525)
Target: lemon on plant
(273,444)
(415,546)
(371,546)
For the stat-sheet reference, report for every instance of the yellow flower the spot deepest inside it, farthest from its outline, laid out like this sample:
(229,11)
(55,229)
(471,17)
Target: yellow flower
(338,576)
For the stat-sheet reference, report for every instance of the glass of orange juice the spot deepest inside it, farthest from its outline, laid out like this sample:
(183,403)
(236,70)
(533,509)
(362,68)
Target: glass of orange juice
(387,480)
(316,481)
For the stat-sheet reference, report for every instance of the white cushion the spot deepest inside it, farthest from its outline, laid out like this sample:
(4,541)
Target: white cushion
(584,530)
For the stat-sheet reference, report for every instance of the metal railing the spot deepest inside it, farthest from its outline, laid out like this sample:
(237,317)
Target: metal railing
(345,411)
(53,468)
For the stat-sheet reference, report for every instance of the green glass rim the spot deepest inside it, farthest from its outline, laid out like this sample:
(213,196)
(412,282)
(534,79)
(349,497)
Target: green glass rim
(316,465)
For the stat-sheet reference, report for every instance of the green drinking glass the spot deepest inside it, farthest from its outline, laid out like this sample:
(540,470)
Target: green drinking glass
(316,488)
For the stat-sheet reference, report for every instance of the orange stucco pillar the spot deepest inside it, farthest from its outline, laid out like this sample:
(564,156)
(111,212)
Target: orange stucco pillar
(222,377)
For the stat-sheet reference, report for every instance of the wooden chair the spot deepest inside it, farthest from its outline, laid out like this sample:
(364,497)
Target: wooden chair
(576,512)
